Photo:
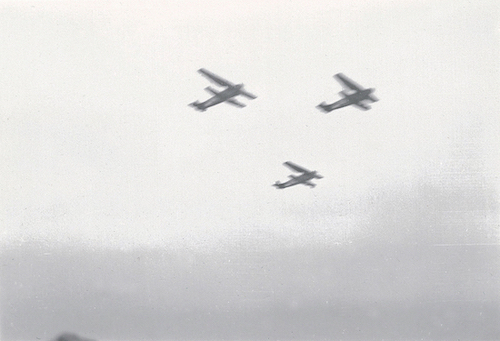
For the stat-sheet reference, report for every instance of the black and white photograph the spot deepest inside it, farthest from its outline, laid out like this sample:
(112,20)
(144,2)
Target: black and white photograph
(191,170)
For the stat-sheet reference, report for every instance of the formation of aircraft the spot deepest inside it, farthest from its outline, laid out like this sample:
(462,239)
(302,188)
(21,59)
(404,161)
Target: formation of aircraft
(303,178)
(353,94)
(227,95)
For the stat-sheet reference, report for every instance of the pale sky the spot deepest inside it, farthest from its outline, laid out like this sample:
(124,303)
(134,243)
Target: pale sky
(100,149)
(99,144)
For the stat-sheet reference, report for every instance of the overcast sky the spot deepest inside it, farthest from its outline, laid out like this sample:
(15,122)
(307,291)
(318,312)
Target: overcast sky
(100,150)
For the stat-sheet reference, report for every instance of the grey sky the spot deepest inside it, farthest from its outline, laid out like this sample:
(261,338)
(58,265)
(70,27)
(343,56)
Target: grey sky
(100,149)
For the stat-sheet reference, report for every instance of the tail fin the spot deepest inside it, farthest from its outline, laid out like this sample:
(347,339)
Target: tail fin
(323,106)
(197,105)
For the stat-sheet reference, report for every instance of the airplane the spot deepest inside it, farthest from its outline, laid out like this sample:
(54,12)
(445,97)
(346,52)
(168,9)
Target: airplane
(301,179)
(353,94)
(225,95)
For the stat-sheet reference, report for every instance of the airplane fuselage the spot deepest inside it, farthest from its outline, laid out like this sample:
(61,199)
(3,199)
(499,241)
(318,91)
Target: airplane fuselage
(296,180)
(220,97)
(355,98)
(359,96)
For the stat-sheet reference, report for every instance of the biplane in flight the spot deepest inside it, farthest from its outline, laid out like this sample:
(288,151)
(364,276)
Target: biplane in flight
(353,94)
(303,178)
(227,95)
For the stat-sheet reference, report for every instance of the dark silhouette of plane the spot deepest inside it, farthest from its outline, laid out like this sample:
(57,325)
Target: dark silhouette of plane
(300,179)
(353,94)
(226,95)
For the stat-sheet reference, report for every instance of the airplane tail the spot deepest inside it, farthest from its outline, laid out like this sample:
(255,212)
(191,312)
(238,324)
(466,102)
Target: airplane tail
(324,107)
(278,184)
(197,106)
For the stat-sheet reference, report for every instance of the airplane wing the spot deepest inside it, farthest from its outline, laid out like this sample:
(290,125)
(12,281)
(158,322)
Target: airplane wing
(295,167)
(235,103)
(214,78)
(247,94)
(309,183)
(337,105)
(347,83)
(361,106)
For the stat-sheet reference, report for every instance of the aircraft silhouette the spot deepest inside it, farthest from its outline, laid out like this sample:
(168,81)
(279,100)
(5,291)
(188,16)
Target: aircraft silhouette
(353,94)
(226,95)
(300,179)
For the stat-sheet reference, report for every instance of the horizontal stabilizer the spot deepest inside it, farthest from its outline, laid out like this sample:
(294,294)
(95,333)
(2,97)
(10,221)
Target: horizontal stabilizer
(278,185)
(198,106)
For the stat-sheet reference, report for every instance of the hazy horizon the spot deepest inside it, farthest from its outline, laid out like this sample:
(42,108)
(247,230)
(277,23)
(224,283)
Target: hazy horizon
(245,293)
